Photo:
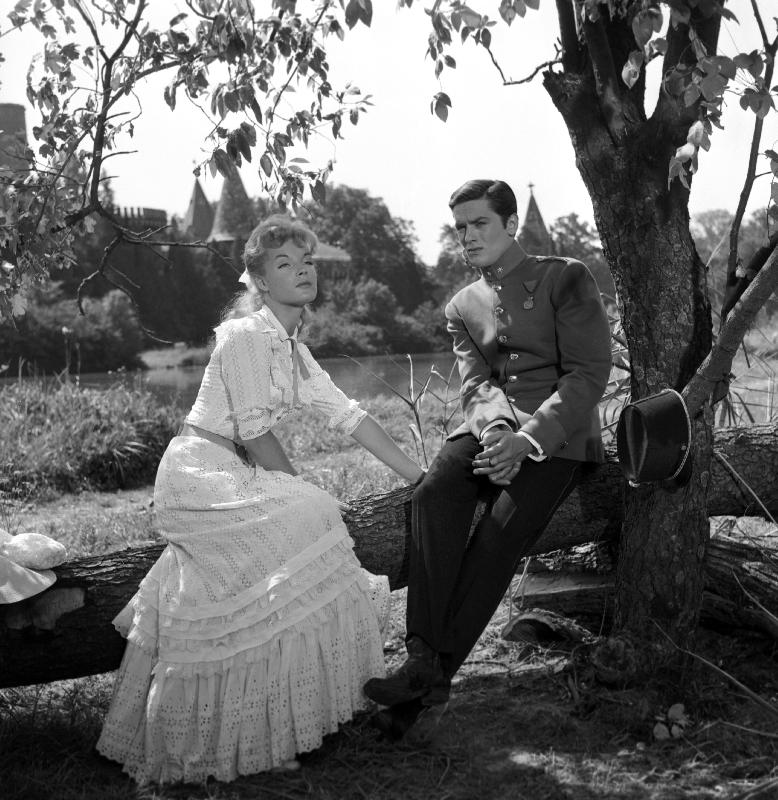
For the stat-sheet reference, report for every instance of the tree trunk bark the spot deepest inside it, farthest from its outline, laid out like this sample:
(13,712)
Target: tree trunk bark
(661,286)
(66,631)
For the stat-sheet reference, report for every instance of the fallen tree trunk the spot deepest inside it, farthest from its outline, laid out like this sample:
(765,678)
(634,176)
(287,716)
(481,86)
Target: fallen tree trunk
(66,632)
(741,582)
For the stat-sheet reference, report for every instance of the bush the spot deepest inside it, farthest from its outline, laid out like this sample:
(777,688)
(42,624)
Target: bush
(329,334)
(57,435)
(53,336)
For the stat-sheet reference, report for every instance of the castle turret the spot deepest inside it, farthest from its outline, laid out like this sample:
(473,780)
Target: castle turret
(534,236)
(198,220)
(234,218)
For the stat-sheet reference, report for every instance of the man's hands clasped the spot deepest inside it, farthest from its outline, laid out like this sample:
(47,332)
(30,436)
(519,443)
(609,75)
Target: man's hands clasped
(502,454)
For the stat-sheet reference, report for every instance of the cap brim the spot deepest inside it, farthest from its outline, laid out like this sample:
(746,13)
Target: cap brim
(18,583)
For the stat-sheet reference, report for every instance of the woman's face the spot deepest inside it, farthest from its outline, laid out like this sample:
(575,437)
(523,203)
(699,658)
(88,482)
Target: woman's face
(289,275)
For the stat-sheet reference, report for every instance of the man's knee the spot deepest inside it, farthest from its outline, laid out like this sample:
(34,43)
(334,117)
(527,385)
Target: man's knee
(444,484)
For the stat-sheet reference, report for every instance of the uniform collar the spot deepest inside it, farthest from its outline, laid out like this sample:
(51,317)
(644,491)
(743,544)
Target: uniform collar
(268,317)
(507,262)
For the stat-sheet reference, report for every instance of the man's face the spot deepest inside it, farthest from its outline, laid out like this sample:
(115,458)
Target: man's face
(481,231)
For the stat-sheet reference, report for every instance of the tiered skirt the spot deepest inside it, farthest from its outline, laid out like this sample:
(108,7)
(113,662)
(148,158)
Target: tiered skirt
(250,638)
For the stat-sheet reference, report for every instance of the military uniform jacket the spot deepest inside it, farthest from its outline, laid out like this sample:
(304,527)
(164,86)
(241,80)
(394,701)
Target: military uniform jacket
(532,343)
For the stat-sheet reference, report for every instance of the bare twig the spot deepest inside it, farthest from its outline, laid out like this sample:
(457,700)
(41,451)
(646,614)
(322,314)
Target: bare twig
(759,791)
(760,701)
(723,459)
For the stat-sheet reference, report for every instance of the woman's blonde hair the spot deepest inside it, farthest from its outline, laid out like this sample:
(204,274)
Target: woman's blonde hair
(269,234)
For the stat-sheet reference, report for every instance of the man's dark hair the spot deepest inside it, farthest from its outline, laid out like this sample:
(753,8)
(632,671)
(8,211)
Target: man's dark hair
(500,196)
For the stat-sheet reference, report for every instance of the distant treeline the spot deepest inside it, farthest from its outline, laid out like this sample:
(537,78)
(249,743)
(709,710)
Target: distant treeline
(384,301)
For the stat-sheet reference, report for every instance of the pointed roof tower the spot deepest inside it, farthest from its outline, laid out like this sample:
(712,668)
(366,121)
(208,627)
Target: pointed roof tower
(198,219)
(534,236)
(234,218)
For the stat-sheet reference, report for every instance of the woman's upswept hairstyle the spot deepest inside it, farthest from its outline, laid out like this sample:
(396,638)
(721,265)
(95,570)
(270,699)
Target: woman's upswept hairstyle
(269,234)
(500,196)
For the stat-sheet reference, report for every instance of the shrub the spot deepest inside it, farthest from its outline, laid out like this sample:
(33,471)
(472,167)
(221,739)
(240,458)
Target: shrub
(57,435)
(53,335)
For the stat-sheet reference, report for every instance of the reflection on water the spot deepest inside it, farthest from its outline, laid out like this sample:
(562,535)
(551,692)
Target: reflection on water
(362,378)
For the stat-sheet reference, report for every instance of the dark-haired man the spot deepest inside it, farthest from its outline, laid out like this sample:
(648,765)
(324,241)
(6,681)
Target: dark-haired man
(532,343)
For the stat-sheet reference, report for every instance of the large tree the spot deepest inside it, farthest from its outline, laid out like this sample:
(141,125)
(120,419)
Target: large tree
(636,162)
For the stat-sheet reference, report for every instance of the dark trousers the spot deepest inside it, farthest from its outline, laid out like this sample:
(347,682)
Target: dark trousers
(455,581)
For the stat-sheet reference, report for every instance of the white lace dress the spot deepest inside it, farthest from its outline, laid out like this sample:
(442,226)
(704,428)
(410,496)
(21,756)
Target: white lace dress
(252,635)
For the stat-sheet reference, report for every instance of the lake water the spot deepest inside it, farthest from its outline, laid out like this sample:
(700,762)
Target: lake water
(369,376)
(361,378)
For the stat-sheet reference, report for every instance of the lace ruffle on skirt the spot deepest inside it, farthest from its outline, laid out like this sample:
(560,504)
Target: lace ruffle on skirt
(251,637)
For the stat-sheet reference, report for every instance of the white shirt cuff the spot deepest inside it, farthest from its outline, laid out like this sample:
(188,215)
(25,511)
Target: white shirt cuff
(540,455)
(501,422)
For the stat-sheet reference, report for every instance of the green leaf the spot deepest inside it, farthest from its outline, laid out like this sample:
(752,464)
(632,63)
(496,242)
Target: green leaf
(631,70)
(726,66)
(170,95)
(507,11)
(698,136)
(242,143)
(256,110)
(471,18)
(319,192)
(486,38)
(366,14)
(691,94)
(440,105)
(267,165)
(352,13)
(250,132)
(222,160)
(713,86)
(177,19)
(676,170)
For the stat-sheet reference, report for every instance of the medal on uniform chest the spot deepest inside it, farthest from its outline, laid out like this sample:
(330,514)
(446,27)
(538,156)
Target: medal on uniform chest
(529,287)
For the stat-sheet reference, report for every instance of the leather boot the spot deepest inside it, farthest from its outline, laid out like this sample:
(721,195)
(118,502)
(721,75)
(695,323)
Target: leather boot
(420,677)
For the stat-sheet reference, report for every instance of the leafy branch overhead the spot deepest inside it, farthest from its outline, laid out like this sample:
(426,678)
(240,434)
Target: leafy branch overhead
(261,77)
(700,80)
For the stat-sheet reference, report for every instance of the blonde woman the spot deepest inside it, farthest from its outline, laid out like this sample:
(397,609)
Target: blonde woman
(250,638)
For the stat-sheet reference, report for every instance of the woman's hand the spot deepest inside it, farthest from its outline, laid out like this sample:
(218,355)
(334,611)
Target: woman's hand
(343,506)
(419,478)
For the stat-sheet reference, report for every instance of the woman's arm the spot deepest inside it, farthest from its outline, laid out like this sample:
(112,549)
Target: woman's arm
(375,439)
(266,452)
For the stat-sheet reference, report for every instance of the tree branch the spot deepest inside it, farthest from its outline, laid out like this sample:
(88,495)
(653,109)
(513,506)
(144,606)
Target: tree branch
(606,78)
(568,35)
(748,184)
(718,362)
(511,81)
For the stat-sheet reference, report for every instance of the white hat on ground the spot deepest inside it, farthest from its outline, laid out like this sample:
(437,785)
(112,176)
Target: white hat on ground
(25,564)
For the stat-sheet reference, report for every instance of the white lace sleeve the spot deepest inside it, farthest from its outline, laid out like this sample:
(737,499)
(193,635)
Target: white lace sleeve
(344,414)
(246,356)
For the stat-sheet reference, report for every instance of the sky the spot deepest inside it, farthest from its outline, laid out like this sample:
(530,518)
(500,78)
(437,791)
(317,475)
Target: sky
(401,152)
